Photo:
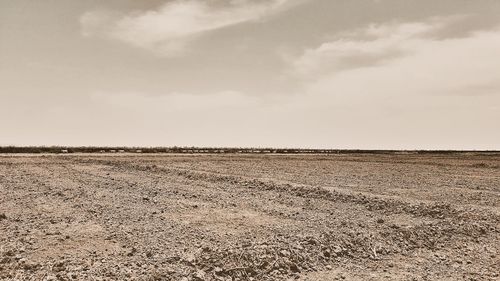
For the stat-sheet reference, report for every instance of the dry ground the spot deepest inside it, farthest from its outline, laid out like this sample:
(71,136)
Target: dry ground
(250,217)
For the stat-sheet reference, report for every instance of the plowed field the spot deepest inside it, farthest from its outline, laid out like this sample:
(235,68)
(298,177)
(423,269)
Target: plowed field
(250,217)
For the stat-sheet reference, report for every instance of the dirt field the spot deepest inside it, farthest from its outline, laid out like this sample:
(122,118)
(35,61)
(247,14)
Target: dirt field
(250,217)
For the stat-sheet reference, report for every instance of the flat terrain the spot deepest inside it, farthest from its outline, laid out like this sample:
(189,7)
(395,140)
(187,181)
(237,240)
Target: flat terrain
(250,217)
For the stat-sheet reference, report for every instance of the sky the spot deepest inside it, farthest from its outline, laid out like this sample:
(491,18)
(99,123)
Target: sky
(366,74)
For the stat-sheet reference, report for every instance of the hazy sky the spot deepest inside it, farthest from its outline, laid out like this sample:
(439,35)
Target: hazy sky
(390,74)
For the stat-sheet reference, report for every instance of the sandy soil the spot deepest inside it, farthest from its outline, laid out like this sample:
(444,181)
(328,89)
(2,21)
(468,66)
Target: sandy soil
(250,217)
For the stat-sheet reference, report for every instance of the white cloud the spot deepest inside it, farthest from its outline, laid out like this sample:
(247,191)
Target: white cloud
(364,47)
(168,30)
(435,67)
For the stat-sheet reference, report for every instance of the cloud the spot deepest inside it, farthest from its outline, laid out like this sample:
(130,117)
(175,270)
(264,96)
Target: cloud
(451,74)
(168,30)
(365,47)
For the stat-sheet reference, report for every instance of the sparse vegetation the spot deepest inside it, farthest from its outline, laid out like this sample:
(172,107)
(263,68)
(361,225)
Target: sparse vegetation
(215,150)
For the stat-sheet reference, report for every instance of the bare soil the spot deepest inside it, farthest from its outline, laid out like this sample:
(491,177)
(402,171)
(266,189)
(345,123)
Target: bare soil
(250,217)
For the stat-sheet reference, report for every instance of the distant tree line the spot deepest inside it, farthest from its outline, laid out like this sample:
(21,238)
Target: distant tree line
(213,150)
